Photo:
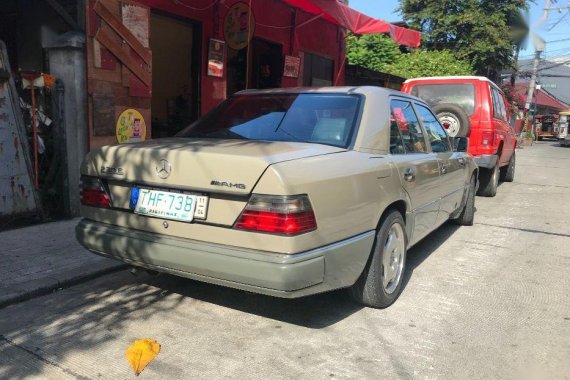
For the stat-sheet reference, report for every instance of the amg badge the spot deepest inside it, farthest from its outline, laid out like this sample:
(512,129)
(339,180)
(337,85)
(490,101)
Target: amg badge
(111,170)
(231,185)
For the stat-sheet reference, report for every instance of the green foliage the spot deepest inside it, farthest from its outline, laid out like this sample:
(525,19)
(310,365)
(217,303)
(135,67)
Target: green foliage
(422,63)
(373,51)
(483,32)
(378,52)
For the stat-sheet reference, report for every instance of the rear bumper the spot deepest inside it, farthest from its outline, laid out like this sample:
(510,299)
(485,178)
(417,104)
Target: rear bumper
(330,267)
(487,161)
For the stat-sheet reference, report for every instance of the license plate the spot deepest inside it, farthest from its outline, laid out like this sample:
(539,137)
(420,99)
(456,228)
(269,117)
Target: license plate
(171,205)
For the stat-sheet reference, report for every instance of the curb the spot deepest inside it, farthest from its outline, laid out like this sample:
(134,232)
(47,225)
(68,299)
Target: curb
(46,286)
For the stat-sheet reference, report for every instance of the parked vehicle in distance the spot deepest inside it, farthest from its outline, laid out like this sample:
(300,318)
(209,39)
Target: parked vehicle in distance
(476,108)
(285,192)
(563,135)
(546,126)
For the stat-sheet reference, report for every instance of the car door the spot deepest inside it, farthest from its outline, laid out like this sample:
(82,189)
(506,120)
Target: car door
(417,167)
(451,164)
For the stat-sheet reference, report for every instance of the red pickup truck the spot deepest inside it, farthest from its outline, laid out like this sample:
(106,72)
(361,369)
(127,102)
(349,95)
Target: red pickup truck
(476,108)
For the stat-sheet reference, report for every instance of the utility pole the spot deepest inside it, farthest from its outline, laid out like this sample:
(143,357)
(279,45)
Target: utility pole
(539,48)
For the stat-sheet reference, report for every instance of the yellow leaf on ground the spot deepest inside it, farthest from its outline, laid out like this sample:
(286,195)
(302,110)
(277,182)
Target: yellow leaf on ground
(141,352)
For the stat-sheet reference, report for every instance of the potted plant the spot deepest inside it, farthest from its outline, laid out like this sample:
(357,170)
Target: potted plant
(528,138)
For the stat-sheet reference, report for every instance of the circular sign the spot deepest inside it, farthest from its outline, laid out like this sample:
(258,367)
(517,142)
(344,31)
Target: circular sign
(239,25)
(130,127)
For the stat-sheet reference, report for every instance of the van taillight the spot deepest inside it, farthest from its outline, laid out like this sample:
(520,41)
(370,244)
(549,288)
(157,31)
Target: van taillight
(487,138)
(283,215)
(93,193)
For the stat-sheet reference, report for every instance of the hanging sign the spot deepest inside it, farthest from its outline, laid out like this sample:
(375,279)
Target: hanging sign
(239,26)
(130,127)
(292,65)
(216,58)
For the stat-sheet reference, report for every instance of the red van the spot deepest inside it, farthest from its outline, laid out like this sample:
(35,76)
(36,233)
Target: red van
(476,108)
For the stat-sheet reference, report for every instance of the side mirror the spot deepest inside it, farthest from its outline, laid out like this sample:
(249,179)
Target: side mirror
(461,144)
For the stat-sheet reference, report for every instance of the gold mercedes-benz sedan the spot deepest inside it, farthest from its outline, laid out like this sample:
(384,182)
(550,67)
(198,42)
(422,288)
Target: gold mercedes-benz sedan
(285,192)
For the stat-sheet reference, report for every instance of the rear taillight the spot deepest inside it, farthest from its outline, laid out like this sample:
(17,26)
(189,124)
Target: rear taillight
(487,138)
(93,193)
(283,215)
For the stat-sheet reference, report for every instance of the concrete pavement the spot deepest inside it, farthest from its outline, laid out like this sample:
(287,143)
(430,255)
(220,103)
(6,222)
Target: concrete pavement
(490,301)
(39,259)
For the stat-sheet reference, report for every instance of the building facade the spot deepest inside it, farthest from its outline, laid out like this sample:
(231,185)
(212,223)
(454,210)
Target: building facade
(154,66)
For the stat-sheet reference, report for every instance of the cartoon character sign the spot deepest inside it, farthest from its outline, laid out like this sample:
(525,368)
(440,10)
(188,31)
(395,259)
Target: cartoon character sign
(130,127)
(239,26)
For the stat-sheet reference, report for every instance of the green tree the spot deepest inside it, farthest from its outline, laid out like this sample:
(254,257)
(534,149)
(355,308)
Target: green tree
(373,51)
(483,32)
(422,63)
(380,53)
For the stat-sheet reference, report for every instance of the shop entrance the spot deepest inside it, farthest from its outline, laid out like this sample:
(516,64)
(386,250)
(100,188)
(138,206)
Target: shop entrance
(265,66)
(175,74)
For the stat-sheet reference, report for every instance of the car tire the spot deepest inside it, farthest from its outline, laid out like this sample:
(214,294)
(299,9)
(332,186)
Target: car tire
(489,181)
(453,118)
(467,216)
(508,172)
(380,283)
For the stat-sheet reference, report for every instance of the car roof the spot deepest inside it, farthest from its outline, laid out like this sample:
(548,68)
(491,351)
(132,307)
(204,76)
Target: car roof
(483,79)
(364,90)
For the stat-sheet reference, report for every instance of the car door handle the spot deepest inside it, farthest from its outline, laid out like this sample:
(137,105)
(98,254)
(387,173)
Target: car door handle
(461,161)
(444,168)
(409,175)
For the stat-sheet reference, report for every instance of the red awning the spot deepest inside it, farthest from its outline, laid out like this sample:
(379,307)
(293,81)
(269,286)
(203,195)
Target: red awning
(358,23)
(540,98)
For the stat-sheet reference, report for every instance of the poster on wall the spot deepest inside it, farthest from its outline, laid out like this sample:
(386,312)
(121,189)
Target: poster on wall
(239,26)
(130,127)
(292,66)
(136,19)
(216,53)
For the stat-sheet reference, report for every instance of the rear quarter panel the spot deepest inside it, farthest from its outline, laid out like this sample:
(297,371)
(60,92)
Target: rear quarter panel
(348,192)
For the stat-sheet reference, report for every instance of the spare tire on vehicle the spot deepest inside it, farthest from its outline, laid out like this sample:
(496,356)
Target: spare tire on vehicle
(453,118)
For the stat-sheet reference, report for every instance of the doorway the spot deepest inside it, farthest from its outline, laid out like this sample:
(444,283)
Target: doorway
(175,45)
(265,66)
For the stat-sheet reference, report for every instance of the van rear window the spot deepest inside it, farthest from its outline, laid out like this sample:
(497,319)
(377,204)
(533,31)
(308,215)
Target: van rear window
(462,94)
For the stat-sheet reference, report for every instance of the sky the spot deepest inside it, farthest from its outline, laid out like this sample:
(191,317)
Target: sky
(556,28)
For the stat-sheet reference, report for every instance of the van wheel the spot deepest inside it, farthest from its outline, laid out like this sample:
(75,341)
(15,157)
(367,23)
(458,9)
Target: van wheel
(453,118)
(508,172)
(467,215)
(380,283)
(489,181)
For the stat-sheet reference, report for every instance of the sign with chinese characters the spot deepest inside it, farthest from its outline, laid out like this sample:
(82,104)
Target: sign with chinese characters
(130,127)
(239,26)
(216,55)
(292,65)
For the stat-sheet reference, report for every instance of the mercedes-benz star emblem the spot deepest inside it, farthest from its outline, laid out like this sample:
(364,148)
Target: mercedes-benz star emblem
(163,168)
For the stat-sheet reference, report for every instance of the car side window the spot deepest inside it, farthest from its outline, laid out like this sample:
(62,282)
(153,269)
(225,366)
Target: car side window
(436,134)
(503,106)
(499,111)
(396,141)
(408,125)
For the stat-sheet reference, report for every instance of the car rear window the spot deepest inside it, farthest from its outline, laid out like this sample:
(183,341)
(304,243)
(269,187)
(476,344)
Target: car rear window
(314,118)
(462,94)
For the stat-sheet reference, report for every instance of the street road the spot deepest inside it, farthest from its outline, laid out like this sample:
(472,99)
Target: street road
(490,301)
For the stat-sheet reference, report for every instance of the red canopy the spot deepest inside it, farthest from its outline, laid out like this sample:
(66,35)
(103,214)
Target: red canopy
(540,98)
(358,23)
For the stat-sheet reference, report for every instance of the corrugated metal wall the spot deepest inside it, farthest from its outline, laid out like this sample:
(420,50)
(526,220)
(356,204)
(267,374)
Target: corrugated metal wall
(17,195)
